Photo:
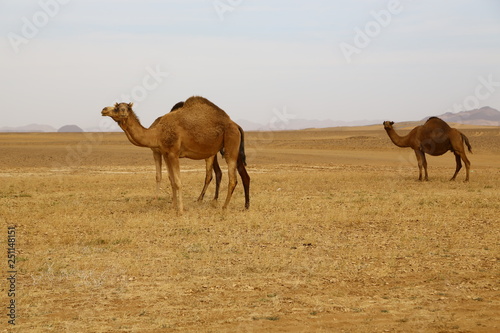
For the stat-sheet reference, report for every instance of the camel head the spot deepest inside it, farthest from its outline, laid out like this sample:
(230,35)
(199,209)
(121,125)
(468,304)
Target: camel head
(388,125)
(118,112)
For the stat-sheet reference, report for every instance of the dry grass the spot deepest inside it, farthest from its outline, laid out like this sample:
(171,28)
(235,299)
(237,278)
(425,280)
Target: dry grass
(340,237)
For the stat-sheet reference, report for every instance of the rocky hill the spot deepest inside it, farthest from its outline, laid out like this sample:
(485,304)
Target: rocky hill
(70,128)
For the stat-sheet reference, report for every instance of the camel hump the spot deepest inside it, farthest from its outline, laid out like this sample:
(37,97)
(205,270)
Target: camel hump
(433,117)
(197,101)
(177,106)
(193,100)
(437,122)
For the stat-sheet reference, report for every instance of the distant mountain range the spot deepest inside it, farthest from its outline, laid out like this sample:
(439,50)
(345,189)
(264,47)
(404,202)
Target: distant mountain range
(484,116)
(33,128)
(296,124)
(29,128)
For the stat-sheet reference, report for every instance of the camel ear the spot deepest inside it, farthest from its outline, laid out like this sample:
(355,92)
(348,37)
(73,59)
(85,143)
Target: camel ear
(392,123)
(130,104)
(116,104)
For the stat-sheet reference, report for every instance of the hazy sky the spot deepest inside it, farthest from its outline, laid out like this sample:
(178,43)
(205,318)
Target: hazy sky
(62,61)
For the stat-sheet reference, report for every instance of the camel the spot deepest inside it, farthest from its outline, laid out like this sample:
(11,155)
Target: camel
(198,129)
(435,138)
(158,163)
(208,175)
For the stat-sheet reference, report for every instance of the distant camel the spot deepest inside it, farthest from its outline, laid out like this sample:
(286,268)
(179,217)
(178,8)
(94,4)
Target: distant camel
(197,130)
(435,138)
(158,164)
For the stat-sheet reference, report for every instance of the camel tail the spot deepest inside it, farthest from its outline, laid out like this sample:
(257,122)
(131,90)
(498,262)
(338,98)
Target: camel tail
(242,155)
(466,140)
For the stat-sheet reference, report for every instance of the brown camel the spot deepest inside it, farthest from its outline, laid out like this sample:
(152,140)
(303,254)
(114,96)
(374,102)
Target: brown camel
(208,175)
(197,130)
(158,163)
(435,138)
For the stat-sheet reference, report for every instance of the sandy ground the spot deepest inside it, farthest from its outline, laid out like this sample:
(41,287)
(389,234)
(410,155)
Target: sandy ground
(340,237)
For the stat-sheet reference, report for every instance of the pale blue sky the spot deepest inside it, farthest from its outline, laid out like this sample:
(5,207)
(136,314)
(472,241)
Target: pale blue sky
(250,57)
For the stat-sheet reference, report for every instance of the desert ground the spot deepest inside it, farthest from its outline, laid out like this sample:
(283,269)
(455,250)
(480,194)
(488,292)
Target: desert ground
(340,237)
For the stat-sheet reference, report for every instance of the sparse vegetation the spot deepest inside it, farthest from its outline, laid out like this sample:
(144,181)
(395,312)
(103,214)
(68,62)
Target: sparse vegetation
(340,237)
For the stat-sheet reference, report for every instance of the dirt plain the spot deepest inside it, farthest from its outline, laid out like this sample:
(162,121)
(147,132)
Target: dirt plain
(340,237)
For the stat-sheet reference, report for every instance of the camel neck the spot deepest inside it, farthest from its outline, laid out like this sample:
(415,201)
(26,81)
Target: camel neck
(137,134)
(129,137)
(400,141)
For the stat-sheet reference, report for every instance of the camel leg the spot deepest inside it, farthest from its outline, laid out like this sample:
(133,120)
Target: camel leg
(208,176)
(218,177)
(419,154)
(169,175)
(231,166)
(467,165)
(174,174)
(232,140)
(424,164)
(457,142)
(157,157)
(245,178)
(459,165)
